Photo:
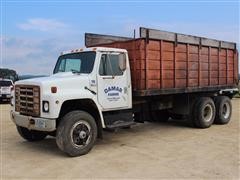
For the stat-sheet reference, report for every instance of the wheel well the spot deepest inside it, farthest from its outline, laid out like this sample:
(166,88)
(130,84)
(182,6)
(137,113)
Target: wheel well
(87,105)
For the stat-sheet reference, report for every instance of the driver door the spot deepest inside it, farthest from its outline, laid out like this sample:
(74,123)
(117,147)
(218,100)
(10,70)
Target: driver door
(113,82)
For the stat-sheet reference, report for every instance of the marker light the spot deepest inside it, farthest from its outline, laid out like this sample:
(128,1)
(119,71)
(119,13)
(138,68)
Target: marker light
(54,89)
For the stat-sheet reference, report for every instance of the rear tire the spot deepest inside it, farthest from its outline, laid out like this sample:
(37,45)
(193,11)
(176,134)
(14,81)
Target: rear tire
(31,135)
(203,112)
(76,133)
(223,109)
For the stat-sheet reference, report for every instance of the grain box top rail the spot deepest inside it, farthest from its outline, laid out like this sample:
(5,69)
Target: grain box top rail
(183,38)
(97,39)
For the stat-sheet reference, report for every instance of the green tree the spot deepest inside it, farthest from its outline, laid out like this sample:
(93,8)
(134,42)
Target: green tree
(8,74)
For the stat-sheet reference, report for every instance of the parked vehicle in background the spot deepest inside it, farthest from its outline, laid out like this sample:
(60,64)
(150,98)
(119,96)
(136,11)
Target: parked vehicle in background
(6,86)
(118,81)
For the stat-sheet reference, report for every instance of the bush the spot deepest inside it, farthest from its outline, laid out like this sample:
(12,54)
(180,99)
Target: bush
(8,74)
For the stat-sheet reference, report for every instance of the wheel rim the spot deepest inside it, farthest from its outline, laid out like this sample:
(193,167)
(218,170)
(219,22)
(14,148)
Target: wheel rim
(207,113)
(226,110)
(81,134)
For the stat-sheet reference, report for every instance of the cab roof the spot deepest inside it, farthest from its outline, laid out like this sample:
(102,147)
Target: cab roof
(99,49)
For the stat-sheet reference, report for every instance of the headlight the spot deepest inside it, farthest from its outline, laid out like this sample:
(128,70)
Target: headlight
(45,106)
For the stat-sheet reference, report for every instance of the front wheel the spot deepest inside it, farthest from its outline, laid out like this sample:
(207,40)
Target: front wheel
(76,133)
(31,135)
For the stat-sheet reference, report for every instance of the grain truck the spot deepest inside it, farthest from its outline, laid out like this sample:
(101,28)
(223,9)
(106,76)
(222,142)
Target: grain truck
(117,81)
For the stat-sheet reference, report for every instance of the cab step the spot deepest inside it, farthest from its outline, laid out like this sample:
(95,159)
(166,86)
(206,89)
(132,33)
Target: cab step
(120,125)
(119,118)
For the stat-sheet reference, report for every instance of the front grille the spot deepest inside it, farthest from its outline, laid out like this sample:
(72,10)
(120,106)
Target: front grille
(27,100)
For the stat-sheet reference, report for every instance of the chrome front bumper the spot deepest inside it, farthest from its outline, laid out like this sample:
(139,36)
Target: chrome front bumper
(33,123)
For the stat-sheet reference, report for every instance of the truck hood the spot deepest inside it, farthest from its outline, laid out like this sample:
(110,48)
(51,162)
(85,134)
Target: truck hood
(65,80)
(51,79)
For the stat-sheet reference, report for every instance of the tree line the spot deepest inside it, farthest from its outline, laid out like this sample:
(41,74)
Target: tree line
(8,74)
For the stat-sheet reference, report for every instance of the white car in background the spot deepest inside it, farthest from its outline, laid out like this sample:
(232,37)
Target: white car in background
(6,85)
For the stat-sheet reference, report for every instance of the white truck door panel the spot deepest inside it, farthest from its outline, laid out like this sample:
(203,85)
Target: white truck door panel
(113,88)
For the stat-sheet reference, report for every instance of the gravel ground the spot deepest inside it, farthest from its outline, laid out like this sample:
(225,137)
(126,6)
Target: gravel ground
(146,151)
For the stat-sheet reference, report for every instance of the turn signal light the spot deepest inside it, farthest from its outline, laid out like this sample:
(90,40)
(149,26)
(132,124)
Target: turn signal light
(54,89)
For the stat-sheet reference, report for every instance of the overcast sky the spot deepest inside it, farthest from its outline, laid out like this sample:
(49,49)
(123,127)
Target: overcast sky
(34,33)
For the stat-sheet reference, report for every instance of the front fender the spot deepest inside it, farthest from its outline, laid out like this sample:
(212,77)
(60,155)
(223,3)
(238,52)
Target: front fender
(56,101)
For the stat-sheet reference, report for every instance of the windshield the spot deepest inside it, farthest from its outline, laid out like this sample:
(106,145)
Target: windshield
(6,83)
(78,62)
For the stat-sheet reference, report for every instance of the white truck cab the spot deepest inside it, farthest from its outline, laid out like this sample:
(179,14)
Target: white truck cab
(74,102)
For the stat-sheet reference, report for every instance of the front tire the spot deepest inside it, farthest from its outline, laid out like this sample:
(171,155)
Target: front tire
(76,133)
(203,112)
(31,135)
(223,109)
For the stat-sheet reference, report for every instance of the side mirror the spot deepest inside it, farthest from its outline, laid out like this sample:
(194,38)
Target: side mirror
(122,62)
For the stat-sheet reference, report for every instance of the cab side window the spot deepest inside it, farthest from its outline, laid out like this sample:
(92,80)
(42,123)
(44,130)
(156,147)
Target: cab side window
(109,65)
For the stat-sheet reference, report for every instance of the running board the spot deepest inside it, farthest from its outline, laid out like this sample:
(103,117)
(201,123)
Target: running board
(120,125)
(118,118)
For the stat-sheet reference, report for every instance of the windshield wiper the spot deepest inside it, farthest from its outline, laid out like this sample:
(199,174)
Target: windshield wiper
(75,71)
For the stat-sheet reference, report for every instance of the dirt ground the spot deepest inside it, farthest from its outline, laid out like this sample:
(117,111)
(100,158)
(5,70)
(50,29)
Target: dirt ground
(146,151)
